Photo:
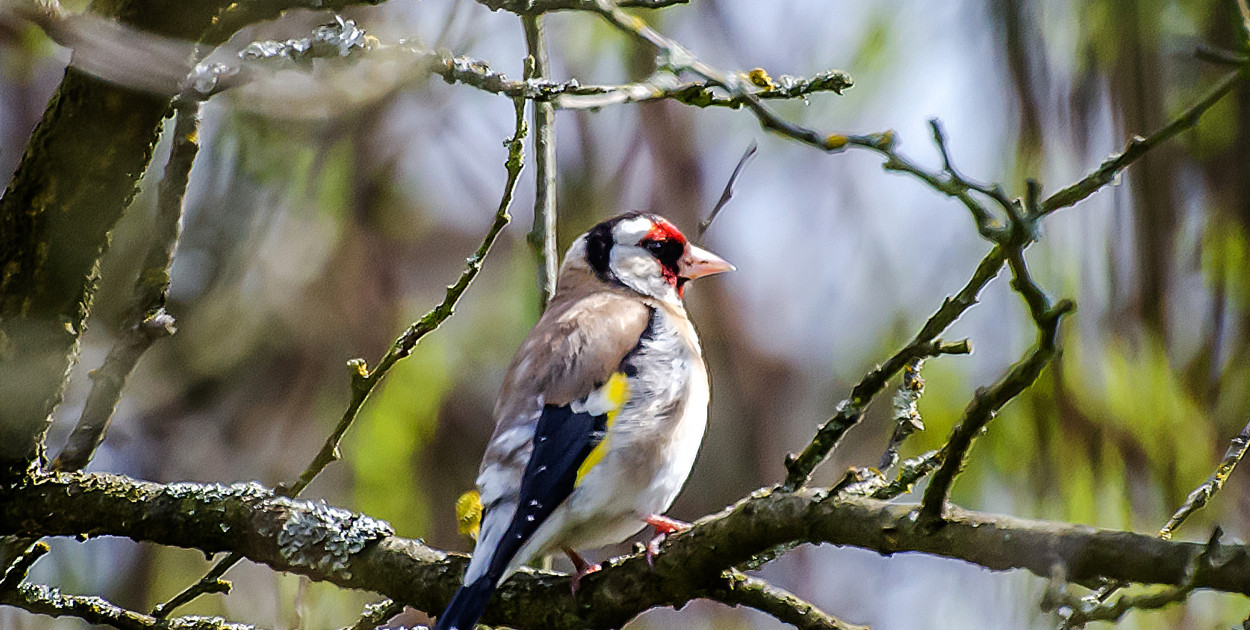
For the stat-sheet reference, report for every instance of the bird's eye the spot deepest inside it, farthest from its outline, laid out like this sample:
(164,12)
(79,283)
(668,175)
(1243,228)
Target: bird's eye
(667,251)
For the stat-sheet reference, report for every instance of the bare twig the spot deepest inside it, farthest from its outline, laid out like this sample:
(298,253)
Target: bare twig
(1203,493)
(377,614)
(542,237)
(925,344)
(1139,146)
(988,401)
(674,55)
(16,572)
(909,472)
(45,600)
(1076,612)
(1196,500)
(739,589)
(665,85)
(906,416)
(365,380)
(727,193)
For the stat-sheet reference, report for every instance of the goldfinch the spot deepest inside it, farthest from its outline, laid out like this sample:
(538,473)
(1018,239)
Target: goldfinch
(601,412)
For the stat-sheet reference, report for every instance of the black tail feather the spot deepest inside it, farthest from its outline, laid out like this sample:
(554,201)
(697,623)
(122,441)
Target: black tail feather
(467,605)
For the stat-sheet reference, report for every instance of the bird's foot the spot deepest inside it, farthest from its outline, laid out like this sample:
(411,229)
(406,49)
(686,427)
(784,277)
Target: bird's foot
(663,526)
(581,567)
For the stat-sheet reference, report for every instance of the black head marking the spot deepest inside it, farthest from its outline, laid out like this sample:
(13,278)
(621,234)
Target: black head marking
(599,243)
(599,249)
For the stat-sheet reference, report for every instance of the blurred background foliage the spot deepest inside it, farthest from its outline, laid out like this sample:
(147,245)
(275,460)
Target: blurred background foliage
(329,208)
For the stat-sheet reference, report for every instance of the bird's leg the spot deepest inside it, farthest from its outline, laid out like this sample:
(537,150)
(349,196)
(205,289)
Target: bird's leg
(663,526)
(582,567)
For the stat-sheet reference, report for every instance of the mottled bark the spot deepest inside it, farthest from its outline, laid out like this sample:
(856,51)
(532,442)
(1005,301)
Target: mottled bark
(355,551)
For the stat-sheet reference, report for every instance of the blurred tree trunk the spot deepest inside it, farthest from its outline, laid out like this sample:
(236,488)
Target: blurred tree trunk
(1136,91)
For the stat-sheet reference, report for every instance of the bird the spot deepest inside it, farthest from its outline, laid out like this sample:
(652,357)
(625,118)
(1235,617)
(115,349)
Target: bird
(601,412)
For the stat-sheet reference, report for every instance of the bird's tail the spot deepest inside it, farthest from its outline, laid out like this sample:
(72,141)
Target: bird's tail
(467,605)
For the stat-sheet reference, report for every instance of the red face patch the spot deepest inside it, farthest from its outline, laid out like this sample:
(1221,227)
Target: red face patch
(662,230)
(668,245)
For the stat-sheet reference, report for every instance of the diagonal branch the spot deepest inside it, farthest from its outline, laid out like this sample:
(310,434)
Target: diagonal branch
(925,344)
(743,590)
(364,380)
(1139,146)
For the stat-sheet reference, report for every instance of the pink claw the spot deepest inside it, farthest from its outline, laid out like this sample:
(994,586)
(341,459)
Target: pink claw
(663,526)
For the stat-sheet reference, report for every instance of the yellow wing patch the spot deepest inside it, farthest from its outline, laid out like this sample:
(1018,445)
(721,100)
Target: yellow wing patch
(616,392)
(469,514)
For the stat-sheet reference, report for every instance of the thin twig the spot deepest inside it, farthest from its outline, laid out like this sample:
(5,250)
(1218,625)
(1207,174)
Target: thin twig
(738,589)
(665,85)
(1203,493)
(542,237)
(1075,613)
(727,193)
(925,344)
(988,401)
(907,418)
(17,570)
(1196,500)
(364,380)
(376,614)
(674,55)
(45,600)
(1139,146)
(909,472)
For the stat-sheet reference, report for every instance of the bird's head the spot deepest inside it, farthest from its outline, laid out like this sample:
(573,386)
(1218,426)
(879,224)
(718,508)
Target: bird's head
(645,253)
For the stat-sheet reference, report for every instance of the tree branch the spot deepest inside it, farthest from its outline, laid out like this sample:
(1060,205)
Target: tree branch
(1203,493)
(355,551)
(45,600)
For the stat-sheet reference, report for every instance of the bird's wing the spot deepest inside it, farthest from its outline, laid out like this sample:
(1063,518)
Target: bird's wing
(559,397)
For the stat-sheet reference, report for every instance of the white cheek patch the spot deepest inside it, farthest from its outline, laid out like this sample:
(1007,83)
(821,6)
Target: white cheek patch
(640,271)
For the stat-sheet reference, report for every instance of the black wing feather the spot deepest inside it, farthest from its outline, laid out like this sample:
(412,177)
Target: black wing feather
(562,441)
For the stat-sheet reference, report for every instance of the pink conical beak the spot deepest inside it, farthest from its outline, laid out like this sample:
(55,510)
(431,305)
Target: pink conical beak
(699,262)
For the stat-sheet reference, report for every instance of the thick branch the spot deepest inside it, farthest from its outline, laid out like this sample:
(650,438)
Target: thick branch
(357,552)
